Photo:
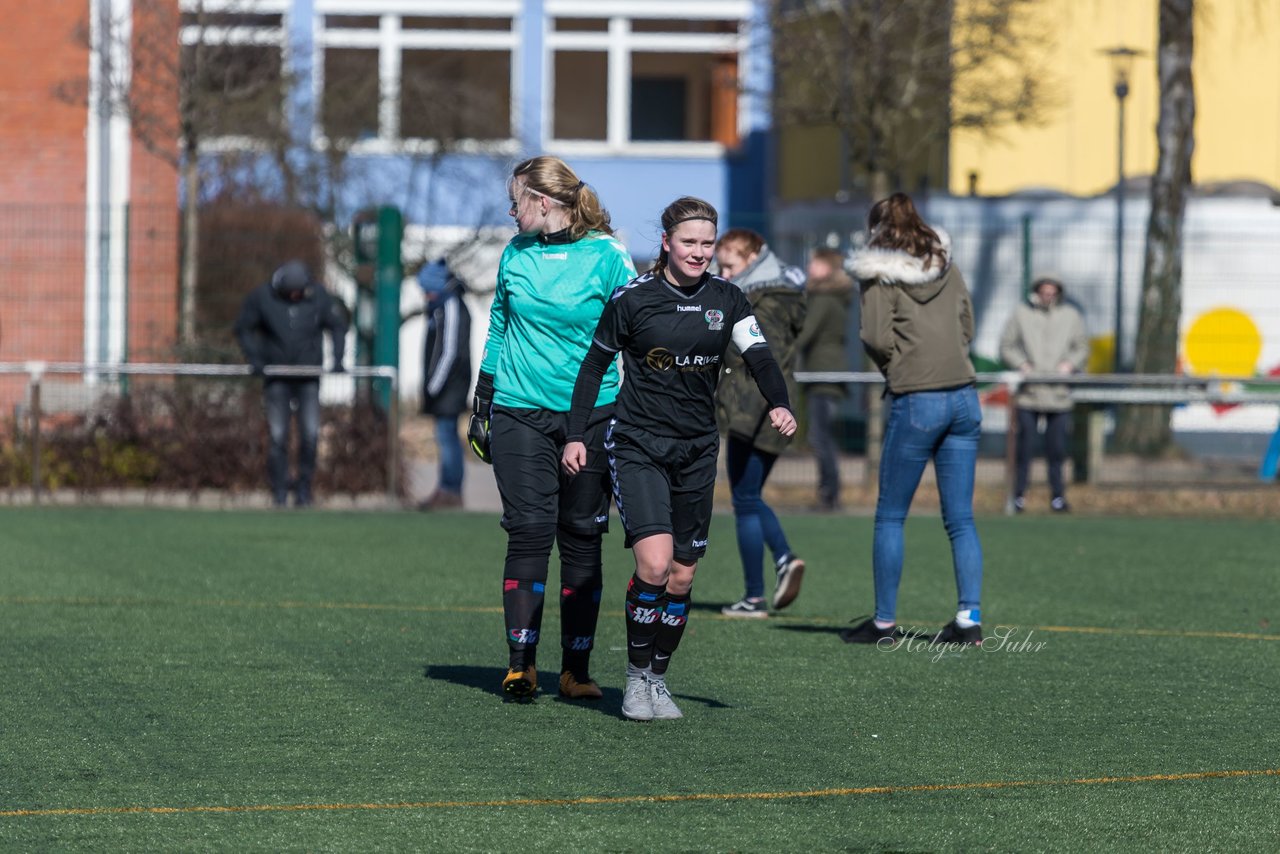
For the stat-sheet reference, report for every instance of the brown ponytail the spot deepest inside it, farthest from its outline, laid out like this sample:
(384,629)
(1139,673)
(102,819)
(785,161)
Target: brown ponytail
(554,178)
(895,224)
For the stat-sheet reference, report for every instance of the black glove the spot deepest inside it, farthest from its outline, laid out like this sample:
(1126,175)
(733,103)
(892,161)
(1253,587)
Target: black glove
(478,430)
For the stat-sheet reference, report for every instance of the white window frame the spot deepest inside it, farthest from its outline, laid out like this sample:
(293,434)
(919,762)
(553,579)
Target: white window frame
(618,43)
(190,35)
(390,39)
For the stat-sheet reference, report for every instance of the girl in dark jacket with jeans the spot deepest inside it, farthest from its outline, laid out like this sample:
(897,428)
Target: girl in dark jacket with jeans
(776,294)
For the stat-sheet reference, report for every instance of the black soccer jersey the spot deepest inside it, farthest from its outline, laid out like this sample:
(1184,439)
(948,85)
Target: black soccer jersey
(673,342)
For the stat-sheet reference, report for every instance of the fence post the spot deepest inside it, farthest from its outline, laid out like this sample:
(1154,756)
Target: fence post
(393,440)
(1097,442)
(1010,443)
(875,434)
(34,381)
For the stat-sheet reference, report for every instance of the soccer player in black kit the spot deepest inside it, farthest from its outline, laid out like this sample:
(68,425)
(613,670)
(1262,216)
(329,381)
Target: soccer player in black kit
(672,326)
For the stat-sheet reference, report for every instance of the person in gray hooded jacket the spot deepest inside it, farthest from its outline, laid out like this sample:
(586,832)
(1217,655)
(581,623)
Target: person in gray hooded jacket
(776,293)
(1045,335)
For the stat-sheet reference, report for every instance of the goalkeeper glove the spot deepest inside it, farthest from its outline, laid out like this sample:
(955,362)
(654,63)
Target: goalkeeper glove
(478,430)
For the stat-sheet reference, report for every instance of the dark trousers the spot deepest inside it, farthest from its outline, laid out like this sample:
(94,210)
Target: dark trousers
(1055,447)
(822,415)
(283,396)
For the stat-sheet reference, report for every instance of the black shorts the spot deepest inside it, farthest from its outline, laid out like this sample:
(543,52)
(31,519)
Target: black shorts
(526,445)
(664,486)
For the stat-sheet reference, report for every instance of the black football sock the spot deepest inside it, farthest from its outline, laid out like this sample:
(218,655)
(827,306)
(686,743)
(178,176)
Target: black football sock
(670,630)
(580,588)
(644,611)
(524,585)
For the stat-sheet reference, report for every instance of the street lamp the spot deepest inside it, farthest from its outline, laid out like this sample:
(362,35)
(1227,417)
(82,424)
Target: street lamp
(1121,63)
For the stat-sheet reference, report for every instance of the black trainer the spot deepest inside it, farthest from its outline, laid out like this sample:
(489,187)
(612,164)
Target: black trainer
(951,633)
(868,632)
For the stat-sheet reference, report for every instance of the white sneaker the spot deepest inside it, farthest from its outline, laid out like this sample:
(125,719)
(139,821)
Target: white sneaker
(744,607)
(637,704)
(663,707)
(790,574)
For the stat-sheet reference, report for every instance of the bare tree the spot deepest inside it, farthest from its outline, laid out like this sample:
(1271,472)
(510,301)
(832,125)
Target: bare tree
(176,94)
(896,77)
(1146,429)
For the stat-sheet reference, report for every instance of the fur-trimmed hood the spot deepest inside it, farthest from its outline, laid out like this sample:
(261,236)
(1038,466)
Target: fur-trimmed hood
(901,268)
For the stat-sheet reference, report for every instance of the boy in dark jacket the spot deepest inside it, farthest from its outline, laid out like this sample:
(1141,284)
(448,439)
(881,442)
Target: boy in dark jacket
(282,322)
(446,375)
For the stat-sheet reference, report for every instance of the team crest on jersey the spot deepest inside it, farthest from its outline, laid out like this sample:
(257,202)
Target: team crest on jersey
(715,319)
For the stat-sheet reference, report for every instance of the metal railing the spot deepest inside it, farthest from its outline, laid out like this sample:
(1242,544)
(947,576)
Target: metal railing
(36,371)
(1092,389)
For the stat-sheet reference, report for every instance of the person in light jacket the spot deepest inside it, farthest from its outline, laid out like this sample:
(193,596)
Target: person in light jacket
(1044,335)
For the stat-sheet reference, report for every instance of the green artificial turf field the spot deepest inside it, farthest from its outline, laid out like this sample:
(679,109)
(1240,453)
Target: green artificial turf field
(178,680)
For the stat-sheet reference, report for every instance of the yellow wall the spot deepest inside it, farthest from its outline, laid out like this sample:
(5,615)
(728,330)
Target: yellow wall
(1237,80)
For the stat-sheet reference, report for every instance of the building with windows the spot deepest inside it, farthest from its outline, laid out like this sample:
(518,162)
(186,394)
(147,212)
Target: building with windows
(429,102)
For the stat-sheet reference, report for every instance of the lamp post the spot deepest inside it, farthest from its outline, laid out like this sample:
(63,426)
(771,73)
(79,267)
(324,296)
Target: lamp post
(1121,63)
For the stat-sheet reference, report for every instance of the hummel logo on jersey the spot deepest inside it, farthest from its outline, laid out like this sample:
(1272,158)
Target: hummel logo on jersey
(644,616)
(555,256)
(688,308)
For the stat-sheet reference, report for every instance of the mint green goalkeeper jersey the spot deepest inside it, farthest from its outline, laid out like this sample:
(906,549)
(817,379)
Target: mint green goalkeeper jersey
(546,307)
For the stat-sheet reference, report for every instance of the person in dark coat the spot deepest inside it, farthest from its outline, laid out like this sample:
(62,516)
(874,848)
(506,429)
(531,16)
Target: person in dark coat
(446,375)
(282,322)
(821,348)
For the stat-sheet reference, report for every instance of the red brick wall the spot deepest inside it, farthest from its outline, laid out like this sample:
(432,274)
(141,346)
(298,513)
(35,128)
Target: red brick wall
(42,196)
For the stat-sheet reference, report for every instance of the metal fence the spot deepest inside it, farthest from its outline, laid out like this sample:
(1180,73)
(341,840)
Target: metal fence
(163,431)
(1238,453)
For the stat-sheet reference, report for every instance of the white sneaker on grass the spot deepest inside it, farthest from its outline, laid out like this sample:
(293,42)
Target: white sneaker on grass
(637,704)
(790,574)
(745,607)
(664,708)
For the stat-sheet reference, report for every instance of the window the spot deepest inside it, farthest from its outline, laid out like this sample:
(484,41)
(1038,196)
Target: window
(349,102)
(232,59)
(449,95)
(646,76)
(581,95)
(399,78)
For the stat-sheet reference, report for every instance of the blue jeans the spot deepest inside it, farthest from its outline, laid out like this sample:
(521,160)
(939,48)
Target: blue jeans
(756,523)
(450,448)
(282,396)
(942,426)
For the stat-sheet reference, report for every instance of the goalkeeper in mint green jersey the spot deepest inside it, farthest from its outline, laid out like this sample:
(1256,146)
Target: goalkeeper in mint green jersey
(553,282)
